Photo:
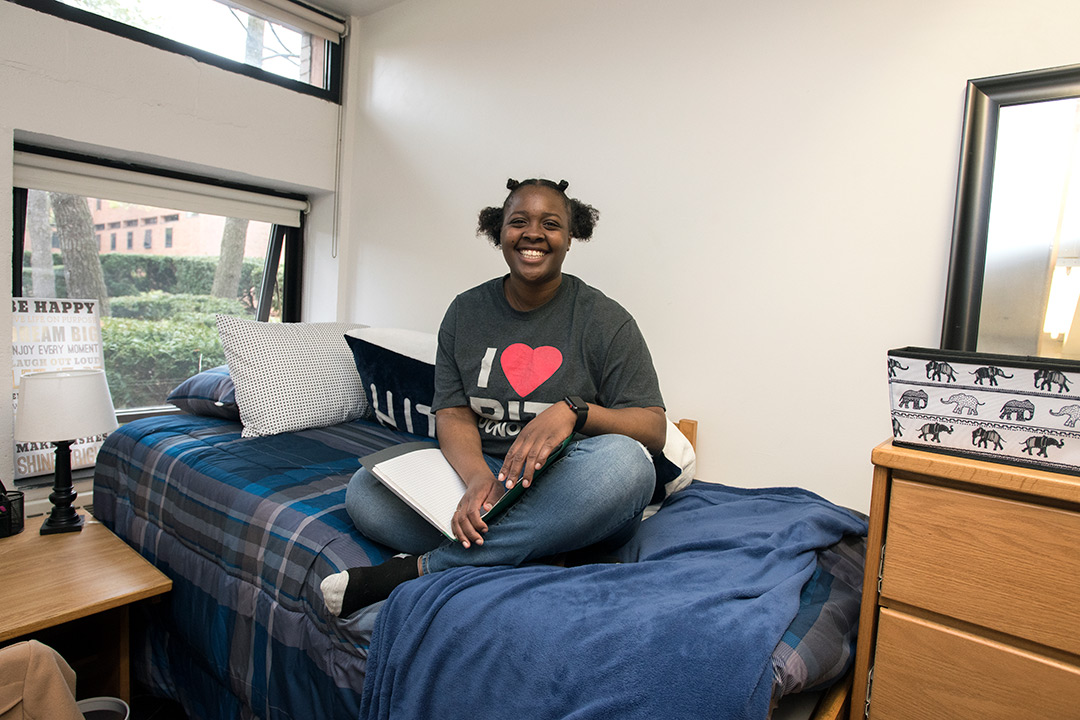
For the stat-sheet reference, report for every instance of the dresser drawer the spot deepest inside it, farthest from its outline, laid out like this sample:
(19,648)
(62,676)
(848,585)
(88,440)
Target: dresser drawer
(1003,564)
(926,671)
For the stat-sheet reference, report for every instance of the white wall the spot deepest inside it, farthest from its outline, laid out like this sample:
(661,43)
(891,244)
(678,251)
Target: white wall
(71,86)
(776,183)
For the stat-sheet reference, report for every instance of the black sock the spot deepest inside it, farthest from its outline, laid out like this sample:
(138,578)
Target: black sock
(368,585)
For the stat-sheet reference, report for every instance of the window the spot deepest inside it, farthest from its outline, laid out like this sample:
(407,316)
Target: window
(279,41)
(231,250)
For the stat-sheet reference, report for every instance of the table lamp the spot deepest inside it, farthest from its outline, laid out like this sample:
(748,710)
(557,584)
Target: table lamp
(61,407)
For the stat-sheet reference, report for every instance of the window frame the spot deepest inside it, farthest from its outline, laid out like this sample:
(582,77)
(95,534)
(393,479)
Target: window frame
(286,246)
(334,55)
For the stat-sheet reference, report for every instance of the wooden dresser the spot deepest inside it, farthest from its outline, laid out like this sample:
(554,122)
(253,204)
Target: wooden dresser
(971,602)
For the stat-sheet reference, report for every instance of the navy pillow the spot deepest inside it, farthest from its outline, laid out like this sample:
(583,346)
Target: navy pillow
(666,471)
(399,388)
(209,393)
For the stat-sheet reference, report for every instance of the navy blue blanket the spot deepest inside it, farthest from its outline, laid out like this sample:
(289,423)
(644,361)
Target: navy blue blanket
(684,628)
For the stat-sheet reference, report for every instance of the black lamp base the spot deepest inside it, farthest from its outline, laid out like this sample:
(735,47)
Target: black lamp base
(49,527)
(63,517)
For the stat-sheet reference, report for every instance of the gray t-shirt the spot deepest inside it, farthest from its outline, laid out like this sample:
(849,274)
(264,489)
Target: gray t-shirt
(509,366)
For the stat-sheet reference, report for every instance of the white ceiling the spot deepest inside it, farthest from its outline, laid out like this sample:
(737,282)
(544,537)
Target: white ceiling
(353,7)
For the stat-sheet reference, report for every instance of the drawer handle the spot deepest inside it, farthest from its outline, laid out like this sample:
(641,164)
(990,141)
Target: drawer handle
(881,568)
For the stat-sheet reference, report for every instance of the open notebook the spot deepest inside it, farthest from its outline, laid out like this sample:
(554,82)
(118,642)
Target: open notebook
(419,474)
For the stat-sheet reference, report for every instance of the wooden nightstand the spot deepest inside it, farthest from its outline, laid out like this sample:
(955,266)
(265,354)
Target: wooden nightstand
(971,600)
(72,592)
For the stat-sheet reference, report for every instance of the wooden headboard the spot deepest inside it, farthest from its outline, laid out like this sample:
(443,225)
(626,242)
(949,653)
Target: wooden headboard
(689,429)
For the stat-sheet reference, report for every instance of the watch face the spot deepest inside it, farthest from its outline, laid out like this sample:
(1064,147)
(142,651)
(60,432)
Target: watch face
(580,407)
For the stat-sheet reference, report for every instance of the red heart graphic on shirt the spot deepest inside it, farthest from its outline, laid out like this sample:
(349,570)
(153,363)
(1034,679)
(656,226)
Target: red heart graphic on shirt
(527,368)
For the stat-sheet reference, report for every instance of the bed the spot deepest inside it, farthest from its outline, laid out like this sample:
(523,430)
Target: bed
(730,602)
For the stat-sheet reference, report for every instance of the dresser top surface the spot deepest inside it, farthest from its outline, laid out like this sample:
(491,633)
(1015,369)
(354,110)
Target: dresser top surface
(1011,478)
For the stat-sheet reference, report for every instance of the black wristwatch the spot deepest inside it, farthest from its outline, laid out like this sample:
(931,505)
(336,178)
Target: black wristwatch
(580,407)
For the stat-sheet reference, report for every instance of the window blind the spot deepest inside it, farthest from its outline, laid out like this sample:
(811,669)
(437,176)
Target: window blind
(57,174)
(295,16)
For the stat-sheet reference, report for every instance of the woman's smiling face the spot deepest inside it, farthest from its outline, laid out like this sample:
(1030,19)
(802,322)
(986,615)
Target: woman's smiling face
(535,234)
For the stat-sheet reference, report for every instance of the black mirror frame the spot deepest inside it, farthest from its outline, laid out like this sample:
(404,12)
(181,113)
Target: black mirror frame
(971,218)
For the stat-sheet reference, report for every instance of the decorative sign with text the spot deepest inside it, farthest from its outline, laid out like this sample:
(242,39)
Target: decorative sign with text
(49,335)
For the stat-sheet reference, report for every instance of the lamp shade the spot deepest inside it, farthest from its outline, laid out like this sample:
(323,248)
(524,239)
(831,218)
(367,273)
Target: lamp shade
(64,405)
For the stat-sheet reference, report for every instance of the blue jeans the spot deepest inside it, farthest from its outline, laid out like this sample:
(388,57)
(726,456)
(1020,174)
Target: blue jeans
(594,494)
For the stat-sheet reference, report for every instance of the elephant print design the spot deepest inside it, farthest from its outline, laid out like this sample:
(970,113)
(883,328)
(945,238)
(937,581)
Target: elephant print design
(937,369)
(1073,411)
(1019,410)
(981,437)
(1046,379)
(916,399)
(897,428)
(962,401)
(932,431)
(990,373)
(1041,442)
(894,364)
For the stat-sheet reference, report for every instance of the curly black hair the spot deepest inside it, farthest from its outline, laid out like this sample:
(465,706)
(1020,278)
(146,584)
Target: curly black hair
(583,218)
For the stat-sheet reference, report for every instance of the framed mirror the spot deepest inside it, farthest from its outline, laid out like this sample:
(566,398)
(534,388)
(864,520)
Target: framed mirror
(1014,270)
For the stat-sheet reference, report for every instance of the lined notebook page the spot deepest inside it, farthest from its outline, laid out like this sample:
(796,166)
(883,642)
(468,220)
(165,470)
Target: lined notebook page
(427,482)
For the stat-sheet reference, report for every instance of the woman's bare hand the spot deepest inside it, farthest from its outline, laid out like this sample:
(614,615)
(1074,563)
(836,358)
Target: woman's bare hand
(468,521)
(538,439)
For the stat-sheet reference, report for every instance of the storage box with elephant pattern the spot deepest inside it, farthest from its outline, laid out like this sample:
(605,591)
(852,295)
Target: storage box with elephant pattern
(1011,409)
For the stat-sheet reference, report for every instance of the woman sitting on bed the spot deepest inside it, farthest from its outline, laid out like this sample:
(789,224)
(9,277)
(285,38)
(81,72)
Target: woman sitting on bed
(525,361)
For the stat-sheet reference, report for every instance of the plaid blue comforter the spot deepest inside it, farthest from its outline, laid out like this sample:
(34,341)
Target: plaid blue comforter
(248,527)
